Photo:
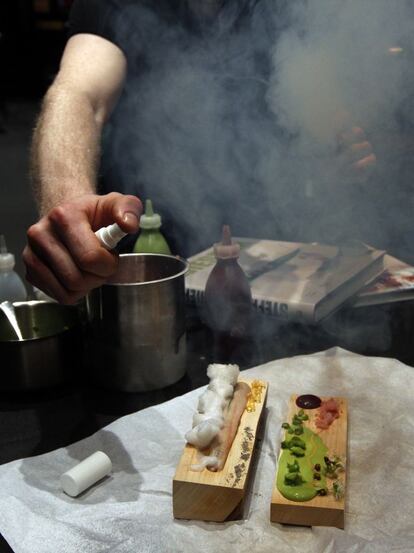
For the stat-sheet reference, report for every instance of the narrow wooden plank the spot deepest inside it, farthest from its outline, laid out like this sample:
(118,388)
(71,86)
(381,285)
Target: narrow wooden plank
(218,496)
(321,510)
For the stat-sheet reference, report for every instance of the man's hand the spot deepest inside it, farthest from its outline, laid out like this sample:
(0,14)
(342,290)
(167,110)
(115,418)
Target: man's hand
(356,154)
(63,257)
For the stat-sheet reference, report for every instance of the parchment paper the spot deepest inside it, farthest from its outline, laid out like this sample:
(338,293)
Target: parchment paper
(131,511)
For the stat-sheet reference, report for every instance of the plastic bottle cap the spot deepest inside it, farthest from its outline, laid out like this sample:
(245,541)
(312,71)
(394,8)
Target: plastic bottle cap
(86,473)
(7,261)
(226,249)
(110,236)
(149,219)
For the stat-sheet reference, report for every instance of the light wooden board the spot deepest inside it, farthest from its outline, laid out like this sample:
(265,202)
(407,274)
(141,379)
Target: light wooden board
(321,510)
(218,496)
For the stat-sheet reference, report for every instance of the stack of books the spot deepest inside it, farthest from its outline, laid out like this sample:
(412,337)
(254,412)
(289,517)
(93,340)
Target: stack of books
(294,281)
(395,284)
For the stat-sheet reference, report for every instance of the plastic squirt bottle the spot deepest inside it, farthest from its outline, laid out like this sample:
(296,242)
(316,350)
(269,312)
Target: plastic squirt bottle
(11,285)
(228,302)
(150,239)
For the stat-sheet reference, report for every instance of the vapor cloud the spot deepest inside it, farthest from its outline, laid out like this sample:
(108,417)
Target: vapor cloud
(238,122)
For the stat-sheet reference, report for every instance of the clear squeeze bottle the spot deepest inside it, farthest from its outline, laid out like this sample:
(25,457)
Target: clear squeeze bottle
(150,239)
(11,285)
(228,302)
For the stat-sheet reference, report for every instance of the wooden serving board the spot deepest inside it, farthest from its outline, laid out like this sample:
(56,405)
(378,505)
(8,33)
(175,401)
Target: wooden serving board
(218,496)
(321,510)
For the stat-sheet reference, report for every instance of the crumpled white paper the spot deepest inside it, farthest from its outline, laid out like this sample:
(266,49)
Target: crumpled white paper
(131,511)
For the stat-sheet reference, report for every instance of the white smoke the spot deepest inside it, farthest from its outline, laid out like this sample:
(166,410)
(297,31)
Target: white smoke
(238,122)
(334,68)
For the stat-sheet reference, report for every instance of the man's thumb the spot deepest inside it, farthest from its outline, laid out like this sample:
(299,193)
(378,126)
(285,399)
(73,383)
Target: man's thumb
(127,213)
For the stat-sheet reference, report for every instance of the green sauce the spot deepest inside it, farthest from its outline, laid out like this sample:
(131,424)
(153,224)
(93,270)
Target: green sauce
(151,241)
(315,452)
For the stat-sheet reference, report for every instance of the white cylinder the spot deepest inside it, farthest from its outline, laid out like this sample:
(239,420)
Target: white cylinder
(110,236)
(86,473)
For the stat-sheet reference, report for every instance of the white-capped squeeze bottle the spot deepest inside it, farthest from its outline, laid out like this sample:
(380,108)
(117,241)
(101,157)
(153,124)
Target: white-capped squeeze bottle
(11,285)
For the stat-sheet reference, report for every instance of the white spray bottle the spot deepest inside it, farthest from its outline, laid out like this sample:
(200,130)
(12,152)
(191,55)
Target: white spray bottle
(110,236)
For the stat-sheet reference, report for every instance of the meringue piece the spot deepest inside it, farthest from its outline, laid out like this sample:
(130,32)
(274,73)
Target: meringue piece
(202,434)
(217,419)
(213,404)
(210,402)
(205,461)
(228,373)
(221,388)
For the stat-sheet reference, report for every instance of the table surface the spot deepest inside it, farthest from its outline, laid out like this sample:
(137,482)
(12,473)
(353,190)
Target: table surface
(38,422)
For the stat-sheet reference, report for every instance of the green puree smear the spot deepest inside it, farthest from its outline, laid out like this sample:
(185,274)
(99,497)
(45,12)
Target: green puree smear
(300,475)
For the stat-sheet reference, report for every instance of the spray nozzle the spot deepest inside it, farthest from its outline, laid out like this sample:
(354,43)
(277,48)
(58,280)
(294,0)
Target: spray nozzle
(226,236)
(149,219)
(226,249)
(7,260)
(3,245)
(110,236)
(149,212)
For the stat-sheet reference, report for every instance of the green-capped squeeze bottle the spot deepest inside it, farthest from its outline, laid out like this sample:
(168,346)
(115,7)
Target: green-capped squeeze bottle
(150,239)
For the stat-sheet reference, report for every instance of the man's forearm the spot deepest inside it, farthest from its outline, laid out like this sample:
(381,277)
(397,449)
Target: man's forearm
(65,148)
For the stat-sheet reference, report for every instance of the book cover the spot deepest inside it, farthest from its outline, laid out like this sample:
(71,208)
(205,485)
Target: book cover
(293,281)
(396,283)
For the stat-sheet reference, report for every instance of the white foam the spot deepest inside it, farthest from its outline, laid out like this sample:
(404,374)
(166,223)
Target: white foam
(221,388)
(202,435)
(210,461)
(201,417)
(211,401)
(209,420)
(228,373)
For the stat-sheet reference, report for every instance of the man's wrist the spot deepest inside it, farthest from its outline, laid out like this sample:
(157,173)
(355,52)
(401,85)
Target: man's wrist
(59,193)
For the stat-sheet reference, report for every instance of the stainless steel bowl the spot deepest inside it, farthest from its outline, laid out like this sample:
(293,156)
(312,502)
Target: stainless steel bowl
(50,352)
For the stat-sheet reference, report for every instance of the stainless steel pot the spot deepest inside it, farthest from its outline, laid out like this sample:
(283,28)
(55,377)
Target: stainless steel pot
(136,338)
(50,351)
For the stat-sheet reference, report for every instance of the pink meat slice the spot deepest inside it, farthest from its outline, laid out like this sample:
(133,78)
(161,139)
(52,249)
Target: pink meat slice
(328,412)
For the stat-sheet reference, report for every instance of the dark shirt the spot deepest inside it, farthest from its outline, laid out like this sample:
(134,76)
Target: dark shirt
(180,133)
(194,129)
(103,17)
(93,17)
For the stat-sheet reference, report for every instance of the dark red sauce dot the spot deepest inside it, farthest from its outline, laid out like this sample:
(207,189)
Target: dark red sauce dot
(308,401)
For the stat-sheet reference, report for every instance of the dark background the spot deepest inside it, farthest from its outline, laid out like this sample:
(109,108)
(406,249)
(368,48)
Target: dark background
(32,39)
(33,35)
